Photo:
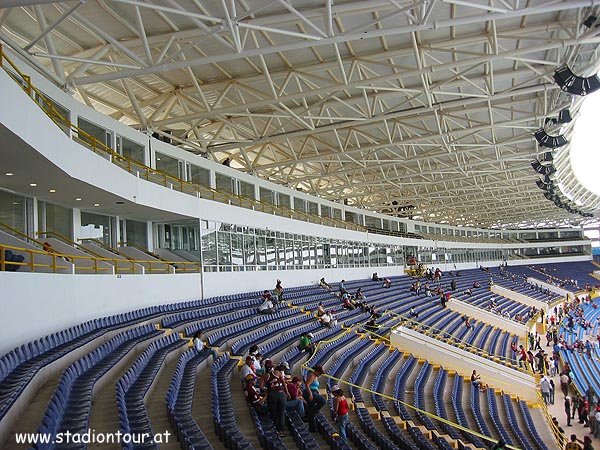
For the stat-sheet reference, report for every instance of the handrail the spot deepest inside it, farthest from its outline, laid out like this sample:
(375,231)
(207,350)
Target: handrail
(68,241)
(101,244)
(22,235)
(31,264)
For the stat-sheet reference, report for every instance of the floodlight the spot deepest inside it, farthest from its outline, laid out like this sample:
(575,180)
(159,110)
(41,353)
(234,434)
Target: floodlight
(549,141)
(576,85)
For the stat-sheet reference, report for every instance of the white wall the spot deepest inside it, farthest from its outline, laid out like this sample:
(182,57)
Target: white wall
(487,317)
(37,304)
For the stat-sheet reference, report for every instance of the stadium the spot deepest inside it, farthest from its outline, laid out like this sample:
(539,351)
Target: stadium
(378,198)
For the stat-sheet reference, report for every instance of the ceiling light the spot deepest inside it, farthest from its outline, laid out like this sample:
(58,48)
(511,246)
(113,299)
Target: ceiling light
(78,199)
(96,204)
(33,184)
(9,174)
(52,191)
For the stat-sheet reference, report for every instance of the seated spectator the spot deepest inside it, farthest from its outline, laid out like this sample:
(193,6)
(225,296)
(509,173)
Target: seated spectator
(375,277)
(476,284)
(326,320)
(476,380)
(333,318)
(359,295)
(253,395)
(10,257)
(371,325)
(342,288)
(296,400)
(387,283)
(306,344)
(267,307)
(202,345)
(320,310)
(47,247)
(413,313)
(347,302)
(248,368)
(324,284)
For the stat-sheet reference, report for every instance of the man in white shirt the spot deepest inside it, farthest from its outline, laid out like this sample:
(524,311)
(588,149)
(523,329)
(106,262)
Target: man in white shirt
(248,367)
(267,307)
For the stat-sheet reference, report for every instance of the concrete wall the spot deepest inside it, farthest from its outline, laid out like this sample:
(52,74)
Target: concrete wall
(521,298)
(40,304)
(487,317)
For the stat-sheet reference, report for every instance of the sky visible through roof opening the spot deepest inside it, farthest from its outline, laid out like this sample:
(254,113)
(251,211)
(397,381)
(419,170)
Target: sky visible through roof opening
(585,146)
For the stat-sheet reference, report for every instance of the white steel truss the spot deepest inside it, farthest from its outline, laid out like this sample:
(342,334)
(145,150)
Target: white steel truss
(424,108)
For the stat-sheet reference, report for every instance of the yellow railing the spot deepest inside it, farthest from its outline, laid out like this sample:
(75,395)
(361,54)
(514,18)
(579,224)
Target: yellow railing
(57,263)
(153,175)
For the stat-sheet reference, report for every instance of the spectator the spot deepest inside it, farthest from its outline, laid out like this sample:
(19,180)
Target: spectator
(278,291)
(248,367)
(545,388)
(253,396)
(10,257)
(340,409)
(326,319)
(274,382)
(306,344)
(324,285)
(371,325)
(387,283)
(375,277)
(320,310)
(573,444)
(267,307)
(226,162)
(342,287)
(203,346)
(567,405)
(314,400)
(476,380)
(296,401)
(500,445)
(359,295)
(413,313)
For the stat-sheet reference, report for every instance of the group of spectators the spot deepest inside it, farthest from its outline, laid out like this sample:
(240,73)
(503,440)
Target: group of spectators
(271,301)
(272,389)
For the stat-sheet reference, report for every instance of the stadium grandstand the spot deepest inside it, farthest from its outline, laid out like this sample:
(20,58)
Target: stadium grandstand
(297,224)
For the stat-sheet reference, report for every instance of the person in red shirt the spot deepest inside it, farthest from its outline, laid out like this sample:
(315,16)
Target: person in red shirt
(252,394)
(340,408)
(296,401)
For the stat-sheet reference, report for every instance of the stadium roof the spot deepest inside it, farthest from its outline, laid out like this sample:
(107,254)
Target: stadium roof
(421,108)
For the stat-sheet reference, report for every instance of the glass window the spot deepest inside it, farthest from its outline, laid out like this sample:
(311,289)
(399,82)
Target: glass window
(337,213)
(299,204)
(246,190)
(137,233)
(168,164)
(93,132)
(59,220)
(250,250)
(209,248)
(312,208)
(130,150)
(237,249)
(283,200)
(199,175)
(224,248)
(224,183)
(267,195)
(96,226)
(58,112)
(12,211)
(325,211)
